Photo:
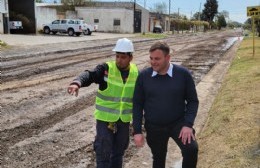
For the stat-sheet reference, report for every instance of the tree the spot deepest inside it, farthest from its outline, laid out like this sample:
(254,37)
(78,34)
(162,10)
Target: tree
(196,16)
(248,21)
(39,1)
(221,22)
(225,14)
(248,25)
(160,7)
(178,16)
(74,2)
(233,24)
(258,26)
(210,10)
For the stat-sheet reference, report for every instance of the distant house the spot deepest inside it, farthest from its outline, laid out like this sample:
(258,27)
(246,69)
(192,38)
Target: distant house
(159,19)
(31,15)
(45,13)
(118,17)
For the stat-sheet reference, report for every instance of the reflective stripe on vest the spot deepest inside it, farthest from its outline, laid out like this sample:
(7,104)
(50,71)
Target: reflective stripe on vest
(116,100)
(101,108)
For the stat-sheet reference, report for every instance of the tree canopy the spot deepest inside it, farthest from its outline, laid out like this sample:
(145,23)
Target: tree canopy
(221,21)
(159,7)
(210,10)
(74,2)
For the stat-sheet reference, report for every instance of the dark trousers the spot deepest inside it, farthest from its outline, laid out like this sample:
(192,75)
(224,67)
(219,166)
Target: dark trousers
(157,139)
(110,147)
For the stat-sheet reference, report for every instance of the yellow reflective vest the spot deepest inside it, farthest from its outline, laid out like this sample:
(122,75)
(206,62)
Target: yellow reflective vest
(115,102)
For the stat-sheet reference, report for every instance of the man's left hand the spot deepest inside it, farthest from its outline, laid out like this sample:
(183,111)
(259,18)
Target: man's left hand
(186,134)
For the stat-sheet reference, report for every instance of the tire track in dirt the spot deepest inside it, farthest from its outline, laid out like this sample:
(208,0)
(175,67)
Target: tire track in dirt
(25,67)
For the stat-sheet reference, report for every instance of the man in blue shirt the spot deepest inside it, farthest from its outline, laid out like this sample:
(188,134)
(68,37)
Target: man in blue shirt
(165,96)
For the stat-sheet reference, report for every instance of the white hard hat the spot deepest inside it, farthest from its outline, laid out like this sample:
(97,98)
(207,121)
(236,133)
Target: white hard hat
(124,45)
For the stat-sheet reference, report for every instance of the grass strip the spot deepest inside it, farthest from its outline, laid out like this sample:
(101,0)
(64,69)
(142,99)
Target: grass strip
(231,137)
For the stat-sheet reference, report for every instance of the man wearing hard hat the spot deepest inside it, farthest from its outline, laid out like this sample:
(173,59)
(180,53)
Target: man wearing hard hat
(113,111)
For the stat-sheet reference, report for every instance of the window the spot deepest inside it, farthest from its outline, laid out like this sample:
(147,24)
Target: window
(63,21)
(96,20)
(56,22)
(70,22)
(116,22)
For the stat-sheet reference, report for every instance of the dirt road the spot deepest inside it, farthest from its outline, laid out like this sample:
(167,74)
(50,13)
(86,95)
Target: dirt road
(43,126)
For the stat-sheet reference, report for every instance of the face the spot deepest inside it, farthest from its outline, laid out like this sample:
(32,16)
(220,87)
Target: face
(159,61)
(123,61)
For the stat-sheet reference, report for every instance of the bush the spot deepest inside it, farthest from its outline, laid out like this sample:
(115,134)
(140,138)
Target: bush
(2,43)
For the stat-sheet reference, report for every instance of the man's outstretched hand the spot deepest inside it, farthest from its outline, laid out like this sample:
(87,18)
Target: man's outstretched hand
(73,90)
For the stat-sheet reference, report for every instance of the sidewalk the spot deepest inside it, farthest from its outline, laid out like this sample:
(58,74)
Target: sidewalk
(41,39)
(29,45)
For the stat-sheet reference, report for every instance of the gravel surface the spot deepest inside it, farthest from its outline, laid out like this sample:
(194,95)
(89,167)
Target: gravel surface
(43,126)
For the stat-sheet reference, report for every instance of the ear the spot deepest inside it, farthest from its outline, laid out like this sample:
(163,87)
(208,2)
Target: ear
(168,57)
(131,57)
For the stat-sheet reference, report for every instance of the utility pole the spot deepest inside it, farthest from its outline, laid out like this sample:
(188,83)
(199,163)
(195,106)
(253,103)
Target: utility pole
(178,20)
(144,18)
(134,17)
(199,11)
(199,16)
(169,15)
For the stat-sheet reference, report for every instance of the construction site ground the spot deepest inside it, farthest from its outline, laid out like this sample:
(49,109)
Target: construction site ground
(41,125)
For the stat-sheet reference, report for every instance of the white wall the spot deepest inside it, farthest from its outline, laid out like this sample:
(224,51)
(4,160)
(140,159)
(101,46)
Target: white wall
(44,15)
(145,21)
(3,6)
(1,24)
(71,15)
(3,10)
(145,18)
(106,18)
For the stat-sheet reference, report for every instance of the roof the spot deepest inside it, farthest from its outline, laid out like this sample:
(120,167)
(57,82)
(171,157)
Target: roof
(48,4)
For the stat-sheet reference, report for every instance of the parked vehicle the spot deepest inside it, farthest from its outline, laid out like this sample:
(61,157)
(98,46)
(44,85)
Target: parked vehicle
(157,29)
(69,26)
(95,28)
(87,29)
(15,25)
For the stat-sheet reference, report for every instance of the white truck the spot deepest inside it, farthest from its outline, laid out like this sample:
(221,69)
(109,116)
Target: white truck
(68,26)
(15,25)
(87,28)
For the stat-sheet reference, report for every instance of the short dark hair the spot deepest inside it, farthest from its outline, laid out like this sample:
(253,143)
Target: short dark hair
(160,45)
(127,53)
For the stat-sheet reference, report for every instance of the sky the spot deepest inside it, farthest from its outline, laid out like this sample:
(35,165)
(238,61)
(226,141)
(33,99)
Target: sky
(237,8)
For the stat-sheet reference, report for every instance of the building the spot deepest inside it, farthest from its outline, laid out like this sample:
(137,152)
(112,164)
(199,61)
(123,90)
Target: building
(45,13)
(117,17)
(159,19)
(4,16)
(13,11)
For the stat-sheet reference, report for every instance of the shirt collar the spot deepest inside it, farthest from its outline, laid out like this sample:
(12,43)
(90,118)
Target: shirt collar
(169,72)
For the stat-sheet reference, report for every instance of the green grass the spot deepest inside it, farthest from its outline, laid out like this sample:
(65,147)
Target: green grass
(231,136)
(153,35)
(2,43)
